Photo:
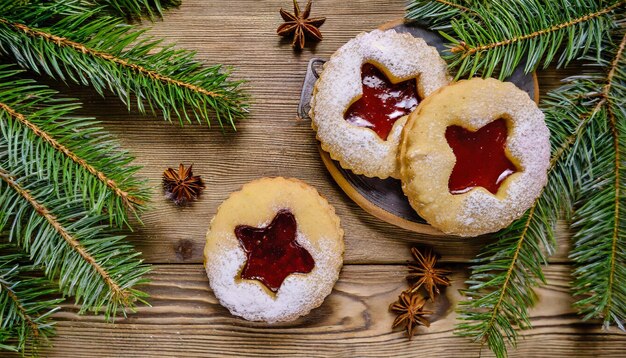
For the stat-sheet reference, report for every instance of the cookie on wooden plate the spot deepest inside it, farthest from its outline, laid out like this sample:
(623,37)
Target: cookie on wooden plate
(274,250)
(364,94)
(474,156)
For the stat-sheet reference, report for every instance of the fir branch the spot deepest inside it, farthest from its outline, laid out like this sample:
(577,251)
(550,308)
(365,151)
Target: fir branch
(109,55)
(38,128)
(501,285)
(436,14)
(25,306)
(587,17)
(507,40)
(600,216)
(615,307)
(128,200)
(98,269)
(496,37)
(136,9)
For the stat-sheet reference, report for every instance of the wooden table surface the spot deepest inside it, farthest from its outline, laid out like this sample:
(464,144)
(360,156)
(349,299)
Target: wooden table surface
(185,319)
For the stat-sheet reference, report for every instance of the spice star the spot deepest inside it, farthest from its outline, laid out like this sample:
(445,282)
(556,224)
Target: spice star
(273,252)
(410,310)
(300,25)
(182,186)
(423,273)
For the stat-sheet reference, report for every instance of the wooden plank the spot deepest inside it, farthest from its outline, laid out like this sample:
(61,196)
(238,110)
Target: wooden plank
(271,142)
(186,320)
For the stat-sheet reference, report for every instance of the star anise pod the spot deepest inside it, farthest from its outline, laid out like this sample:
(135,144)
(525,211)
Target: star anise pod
(182,186)
(410,311)
(423,273)
(300,25)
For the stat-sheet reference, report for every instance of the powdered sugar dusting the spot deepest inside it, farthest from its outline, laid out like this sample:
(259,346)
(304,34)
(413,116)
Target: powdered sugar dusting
(404,57)
(318,231)
(297,295)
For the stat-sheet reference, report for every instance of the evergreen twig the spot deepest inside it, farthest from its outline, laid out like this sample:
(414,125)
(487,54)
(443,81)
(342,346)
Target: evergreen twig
(436,14)
(599,220)
(495,37)
(136,9)
(39,129)
(111,56)
(97,269)
(25,306)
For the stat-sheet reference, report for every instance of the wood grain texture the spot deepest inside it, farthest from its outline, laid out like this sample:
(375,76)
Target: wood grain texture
(185,319)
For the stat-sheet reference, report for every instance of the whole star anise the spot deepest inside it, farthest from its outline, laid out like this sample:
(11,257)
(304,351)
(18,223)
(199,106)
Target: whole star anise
(182,186)
(300,25)
(423,273)
(410,311)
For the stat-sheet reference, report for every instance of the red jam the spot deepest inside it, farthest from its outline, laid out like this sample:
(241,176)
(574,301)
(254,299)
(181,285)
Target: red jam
(480,157)
(382,103)
(273,252)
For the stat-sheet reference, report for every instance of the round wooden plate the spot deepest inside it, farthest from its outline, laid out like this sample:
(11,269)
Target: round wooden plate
(384,198)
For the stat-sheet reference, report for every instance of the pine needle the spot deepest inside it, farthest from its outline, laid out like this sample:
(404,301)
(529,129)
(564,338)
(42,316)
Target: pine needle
(599,220)
(25,303)
(103,52)
(40,133)
(488,38)
(98,269)
(437,14)
(136,9)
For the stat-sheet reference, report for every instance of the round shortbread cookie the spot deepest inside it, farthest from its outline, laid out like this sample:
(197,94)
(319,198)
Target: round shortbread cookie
(401,57)
(256,205)
(427,159)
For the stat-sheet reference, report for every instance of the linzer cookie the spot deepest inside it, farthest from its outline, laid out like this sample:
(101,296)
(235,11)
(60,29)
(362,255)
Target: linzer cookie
(474,156)
(274,250)
(364,94)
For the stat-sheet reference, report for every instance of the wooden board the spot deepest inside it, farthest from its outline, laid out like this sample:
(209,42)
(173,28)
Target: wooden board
(184,319)
(187,321)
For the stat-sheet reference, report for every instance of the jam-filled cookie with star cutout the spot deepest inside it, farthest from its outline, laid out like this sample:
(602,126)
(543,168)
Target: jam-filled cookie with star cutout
(364,94)
(474,156)
(274,250)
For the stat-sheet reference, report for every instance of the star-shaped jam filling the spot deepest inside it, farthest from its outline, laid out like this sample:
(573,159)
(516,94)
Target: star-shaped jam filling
(480,157)
(273,252)
(382,102)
